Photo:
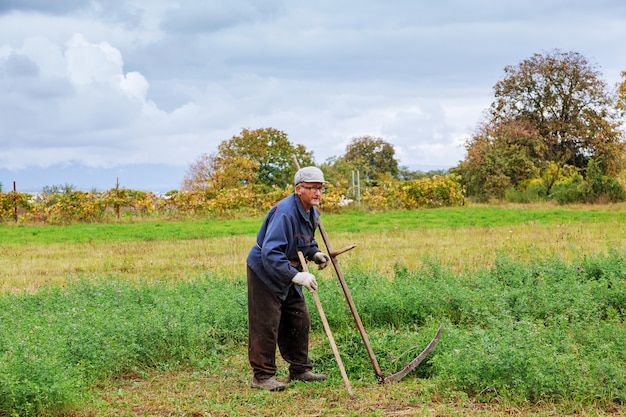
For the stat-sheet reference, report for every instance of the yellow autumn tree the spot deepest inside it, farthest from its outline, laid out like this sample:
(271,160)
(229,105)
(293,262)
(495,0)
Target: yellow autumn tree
(261,157)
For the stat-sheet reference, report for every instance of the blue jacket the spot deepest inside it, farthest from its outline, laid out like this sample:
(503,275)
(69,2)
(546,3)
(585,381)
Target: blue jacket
(287,229)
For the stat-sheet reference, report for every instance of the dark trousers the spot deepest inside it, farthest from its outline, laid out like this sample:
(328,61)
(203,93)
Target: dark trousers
(273,322)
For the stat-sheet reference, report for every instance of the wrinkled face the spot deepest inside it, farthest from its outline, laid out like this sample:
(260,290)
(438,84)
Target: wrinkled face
(310,193)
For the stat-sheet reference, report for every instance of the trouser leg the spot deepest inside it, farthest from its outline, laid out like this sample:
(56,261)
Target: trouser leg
(264,312)
(293,333)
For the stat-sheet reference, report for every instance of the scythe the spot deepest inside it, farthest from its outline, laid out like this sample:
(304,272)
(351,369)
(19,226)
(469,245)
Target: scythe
(380,376)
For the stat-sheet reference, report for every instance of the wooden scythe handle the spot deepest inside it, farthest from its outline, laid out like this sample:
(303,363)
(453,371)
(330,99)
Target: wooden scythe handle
(340,251)
(331,339)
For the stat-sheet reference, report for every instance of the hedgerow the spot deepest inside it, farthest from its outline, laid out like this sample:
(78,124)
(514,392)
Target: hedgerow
(66,205)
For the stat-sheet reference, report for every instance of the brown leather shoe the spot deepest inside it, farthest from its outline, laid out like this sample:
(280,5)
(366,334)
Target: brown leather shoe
(269,384)
(307,376)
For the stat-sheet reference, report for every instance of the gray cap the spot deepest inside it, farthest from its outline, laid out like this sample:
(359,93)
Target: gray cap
(308,174)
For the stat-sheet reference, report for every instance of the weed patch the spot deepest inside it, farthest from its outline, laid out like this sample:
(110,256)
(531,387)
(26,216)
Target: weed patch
(60,341)
(541,331)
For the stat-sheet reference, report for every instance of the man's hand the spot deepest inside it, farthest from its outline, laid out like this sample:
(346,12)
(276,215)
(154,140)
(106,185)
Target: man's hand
(306,279)
(321,259)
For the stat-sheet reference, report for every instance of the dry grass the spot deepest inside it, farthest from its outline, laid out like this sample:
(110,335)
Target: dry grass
(475,248)
(225,393)
(28,267)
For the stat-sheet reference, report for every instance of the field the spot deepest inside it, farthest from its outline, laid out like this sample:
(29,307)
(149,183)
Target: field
(148,318)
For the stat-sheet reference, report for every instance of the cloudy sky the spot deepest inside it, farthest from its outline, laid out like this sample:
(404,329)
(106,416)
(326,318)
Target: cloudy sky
(98,91)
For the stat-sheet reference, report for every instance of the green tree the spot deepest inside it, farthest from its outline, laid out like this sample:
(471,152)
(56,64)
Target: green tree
(407,174)
(51,193)
(270,152)
(621,95)
(499,157)
(562,95)
(338,171)
(373,157)
(254,157)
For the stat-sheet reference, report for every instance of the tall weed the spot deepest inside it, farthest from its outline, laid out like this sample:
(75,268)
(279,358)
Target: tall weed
(544,330)
(59,341)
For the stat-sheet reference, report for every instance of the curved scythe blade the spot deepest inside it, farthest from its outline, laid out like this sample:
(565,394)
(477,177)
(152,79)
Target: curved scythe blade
(413,364)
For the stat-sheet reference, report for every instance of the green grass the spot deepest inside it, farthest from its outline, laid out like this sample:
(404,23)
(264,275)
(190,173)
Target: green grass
(125,232)
(549,333)
(350,222)
(60,341)
(471,216)
(534,327)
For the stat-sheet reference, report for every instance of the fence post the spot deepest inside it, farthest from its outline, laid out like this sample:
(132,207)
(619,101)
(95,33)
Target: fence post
(117,195)
(14,202)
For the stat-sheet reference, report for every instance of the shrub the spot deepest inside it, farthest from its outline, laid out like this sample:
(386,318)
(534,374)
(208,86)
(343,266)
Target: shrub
(13,203)
(438,191)
(531,191)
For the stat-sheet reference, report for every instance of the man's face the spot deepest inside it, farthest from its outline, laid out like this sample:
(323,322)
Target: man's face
(310,193)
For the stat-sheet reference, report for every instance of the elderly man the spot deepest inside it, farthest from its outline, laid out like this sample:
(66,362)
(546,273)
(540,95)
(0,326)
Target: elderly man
(277,311)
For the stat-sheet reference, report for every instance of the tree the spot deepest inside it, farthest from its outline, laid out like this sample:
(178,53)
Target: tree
(501,156)
(261,157)
(562,96)
(406,174)
(621,95)
(372,156)
(205,174)
(338,171)
(551,116)
(269,150)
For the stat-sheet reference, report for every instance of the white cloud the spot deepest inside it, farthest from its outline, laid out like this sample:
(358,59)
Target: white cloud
(123,82)
(88,117)
(134,84)
(89,63)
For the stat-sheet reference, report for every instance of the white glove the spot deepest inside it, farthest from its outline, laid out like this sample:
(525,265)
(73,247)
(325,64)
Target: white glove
(321,259)
(306,279)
